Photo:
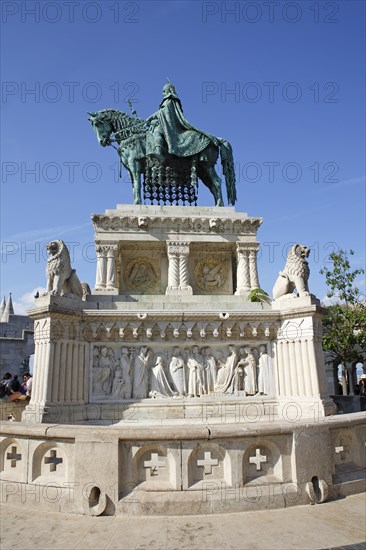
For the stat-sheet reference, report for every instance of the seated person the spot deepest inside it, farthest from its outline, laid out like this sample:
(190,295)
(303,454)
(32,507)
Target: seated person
(26,387)
(6,391)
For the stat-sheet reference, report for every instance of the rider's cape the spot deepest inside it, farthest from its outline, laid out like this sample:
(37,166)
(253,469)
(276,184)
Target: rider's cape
(182,138)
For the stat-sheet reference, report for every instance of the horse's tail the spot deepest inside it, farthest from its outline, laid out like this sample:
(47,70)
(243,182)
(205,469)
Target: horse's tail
(227,162)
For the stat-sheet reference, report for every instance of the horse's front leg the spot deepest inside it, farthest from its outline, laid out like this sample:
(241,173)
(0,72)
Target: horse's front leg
(135,174)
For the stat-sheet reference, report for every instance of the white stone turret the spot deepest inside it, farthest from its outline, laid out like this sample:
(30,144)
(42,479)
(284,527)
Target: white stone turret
(2,307)
(8,310)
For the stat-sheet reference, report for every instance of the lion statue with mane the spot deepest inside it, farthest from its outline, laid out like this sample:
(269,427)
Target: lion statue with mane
(61,279)
(295,275)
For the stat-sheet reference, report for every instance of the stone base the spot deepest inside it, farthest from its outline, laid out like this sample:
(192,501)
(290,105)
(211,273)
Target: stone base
(104,291)
(228,409)
(179,291)
(181,468)
(293,302)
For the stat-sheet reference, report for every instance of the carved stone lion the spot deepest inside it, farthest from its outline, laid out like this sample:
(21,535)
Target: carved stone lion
(295,275)
(61,279)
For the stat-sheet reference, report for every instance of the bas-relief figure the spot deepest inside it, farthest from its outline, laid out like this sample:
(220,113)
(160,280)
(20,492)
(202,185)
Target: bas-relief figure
(125,371)
(165,142)
(265,372)
(160,386)
(210,274)
(141,274)
(210,369)
(140,373)
(294,275)
(177,372)
(196,381)
(249,363)
(225,383)
(103,371)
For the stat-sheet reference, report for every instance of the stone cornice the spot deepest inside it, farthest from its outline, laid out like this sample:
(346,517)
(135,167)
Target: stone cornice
(227,225)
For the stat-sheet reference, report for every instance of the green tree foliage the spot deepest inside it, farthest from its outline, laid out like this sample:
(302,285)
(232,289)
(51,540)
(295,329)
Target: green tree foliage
(345,323)
(259,295)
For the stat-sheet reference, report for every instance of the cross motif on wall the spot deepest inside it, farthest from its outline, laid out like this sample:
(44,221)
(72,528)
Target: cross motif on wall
(207,462)
(340,450)
(53,460)
(154,464)
(13,457)
(258,459)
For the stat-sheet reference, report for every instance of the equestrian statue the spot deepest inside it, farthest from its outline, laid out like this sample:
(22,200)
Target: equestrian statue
(168,152)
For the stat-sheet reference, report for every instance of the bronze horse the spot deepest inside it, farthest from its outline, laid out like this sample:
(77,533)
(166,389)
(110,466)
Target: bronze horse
(130,133)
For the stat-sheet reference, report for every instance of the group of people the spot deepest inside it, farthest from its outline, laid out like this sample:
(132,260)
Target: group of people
(194,372)
(11,389)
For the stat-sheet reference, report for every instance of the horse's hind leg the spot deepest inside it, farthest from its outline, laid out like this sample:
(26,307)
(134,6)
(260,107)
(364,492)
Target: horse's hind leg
(210,178)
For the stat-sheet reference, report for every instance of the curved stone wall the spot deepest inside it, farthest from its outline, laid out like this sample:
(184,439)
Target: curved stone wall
(180,468)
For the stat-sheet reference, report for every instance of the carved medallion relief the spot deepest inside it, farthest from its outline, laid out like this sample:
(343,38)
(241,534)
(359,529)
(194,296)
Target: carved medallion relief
(210,274)
(142,274)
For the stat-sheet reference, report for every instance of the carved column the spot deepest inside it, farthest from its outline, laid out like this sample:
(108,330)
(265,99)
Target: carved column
(101,267)
(173,268)
(111,267)
(183,268)
(242,273)
(106,278)
(253,271)
(178,277)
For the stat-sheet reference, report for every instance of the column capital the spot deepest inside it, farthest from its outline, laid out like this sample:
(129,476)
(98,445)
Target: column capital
(178,247)
(247,247)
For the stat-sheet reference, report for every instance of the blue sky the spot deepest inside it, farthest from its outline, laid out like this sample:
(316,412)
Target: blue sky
(284,82)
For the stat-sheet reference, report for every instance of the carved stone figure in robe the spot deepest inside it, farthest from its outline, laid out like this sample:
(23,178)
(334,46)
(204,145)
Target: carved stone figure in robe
(238,378)
(225,385)
(265,372)
(210,369)
(196,382)
(177,371)
(140,377)
(250,370)
(160,386)
(104,373)
(222,370)
(97,373)
(114,362)
(170,132)
(118,383)
(125,367)
(95,357)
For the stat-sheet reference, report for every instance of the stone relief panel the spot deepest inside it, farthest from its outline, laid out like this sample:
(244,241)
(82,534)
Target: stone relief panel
(210,268)
(208,463)
(143,269)
(142,274)
(349,450)
(262,462)
(13,459)
(179,371)
(210,274)
(50,461)
(149,466)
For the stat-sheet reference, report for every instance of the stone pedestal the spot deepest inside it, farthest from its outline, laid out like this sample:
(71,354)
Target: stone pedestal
(201,400)
(180,327)
(61,359)
(176,250)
